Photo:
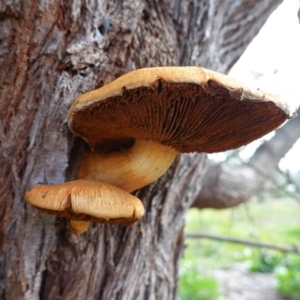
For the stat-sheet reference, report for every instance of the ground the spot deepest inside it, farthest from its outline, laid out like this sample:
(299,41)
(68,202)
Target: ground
(241,285)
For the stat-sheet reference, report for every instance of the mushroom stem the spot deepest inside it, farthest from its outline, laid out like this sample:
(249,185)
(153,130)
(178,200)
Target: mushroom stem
(79,227)
(128,169)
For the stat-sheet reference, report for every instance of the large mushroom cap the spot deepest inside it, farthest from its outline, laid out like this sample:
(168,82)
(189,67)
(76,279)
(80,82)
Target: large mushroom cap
(187,108)
(85,200)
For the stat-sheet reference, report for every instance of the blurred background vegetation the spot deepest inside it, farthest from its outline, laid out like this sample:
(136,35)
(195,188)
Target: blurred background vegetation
(272,214)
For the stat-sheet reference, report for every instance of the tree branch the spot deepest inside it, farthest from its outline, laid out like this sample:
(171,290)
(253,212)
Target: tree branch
(243,242)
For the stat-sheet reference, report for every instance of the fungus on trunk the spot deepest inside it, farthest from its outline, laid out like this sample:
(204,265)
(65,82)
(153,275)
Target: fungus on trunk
(84,201)
(137,124)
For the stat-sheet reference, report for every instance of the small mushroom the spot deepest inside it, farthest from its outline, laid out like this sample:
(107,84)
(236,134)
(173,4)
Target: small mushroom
(138,123)
(84,201)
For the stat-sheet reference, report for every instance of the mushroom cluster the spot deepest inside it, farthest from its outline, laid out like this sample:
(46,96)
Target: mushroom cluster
(137,124)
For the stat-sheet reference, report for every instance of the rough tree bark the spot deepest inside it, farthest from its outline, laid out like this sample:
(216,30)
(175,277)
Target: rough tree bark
(224,187)
(51,52)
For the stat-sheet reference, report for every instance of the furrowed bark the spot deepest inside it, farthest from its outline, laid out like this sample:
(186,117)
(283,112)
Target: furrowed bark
(51,52)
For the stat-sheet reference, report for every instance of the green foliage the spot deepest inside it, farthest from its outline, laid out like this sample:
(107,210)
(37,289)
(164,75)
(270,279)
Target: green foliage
(264,262)
(289,283)
(294,232)
(285,266)
(273,221)
(195,286)
(288,278)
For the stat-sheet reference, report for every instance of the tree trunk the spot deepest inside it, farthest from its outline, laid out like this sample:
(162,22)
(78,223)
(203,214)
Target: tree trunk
(53,51)
(224,187)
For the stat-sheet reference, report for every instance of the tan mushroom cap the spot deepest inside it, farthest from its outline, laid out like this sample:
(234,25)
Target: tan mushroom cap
(186,108)
(85,200)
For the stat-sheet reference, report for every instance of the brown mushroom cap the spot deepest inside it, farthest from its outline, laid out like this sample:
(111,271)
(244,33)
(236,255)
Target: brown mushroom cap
(85,200)
(186,108)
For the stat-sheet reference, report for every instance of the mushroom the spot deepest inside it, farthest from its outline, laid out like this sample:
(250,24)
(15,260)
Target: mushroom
(84,201)
(137,124)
